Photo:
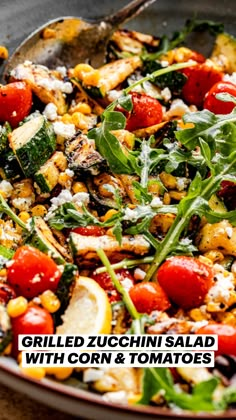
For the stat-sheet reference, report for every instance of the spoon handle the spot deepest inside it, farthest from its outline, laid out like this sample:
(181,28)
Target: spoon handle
(132,9)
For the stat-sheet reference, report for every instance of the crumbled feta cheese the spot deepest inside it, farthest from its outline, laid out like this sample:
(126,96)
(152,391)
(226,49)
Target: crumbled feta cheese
(55,84)
(220,292)
(6,187)
(65,196)
(230,78)
(164,63)
(182,183)
(166,94)
(69,172)
(50,112)
(22,204)
(229,231)
(156,202)
(139,274)
(116,397)
(64,130)
(91,375)
(62,70)
(126,283)
(177,109)
(113,95)
(14,114)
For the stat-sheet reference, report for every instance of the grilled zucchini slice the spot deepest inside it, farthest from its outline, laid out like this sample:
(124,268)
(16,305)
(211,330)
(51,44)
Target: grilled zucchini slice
(225,45)
(33,143)
(4,131)
(82,156)
(47,176)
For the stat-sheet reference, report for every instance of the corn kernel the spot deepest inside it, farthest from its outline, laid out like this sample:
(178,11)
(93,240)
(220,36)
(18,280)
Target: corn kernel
(3,194)
(24,216)
(3,272)
(79,187)
(3,53)
(166,199)
(49,33)
(66,119)
(60,373)
(168,180)
(81,107)
(7,350)
(33,372)
(78,119)
(177,195)
(133,398)
(39,210)
(196,315)
(17,306)
(108,215)
(87,74)
(64,180)
(214,255)
(50,301)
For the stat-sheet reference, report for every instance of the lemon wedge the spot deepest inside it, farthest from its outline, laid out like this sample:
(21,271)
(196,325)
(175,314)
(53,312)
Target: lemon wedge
(89,310)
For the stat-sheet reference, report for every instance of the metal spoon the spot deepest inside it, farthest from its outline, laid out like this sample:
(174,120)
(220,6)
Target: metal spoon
(73,40)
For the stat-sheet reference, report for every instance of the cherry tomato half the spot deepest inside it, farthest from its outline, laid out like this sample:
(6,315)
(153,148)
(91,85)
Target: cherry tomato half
(200,80)
(32,272)
(185,280)
(104,280)
(215,105)
(35,320)
(146,111)
(6,293)
(89,230)
(148,297)
(15,102)
(226,337)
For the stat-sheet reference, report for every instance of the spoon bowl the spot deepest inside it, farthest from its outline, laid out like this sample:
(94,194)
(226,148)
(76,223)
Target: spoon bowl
(67,41)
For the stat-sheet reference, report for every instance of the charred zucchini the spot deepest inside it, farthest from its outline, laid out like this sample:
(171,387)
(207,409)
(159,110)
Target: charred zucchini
(47,176)
(112,74)
(5,328)
(33,143)
(40,236)
(82,156)
(10,165)
(225,45)
(4,131)
(101,201)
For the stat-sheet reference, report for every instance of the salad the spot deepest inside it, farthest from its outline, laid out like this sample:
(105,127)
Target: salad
(118,210)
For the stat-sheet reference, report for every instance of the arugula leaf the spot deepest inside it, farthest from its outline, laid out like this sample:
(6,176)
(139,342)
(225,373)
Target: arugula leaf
(160,380)
(174,81)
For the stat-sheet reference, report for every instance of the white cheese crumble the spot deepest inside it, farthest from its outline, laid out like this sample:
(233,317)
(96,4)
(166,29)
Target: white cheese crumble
(62,70)
(116,397)
(69,172)
(139,274)
(64,130)
(182,183)
(65,196)
(91,375)
(156,202)
(126,283)
(230,78)
(113,95)
(177,109)
(222,289)
(55,84)
(50,112)
(134,214)
(22,204)
(6,187)
(229,231)
(166,94)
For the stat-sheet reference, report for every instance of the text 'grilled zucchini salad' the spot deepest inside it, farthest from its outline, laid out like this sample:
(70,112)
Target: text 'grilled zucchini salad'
(118,210)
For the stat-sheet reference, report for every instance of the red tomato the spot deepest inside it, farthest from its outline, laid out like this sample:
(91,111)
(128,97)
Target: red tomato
(200,80)
(104,280)
(15,102)
(185,280)
(226,337)
(146,111)
(214,104)
(148,297)
(89,230)
(32,272)
(35,320)
(6,293)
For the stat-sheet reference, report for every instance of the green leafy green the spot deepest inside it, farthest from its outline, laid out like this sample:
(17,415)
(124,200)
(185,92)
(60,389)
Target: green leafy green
(157,380)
